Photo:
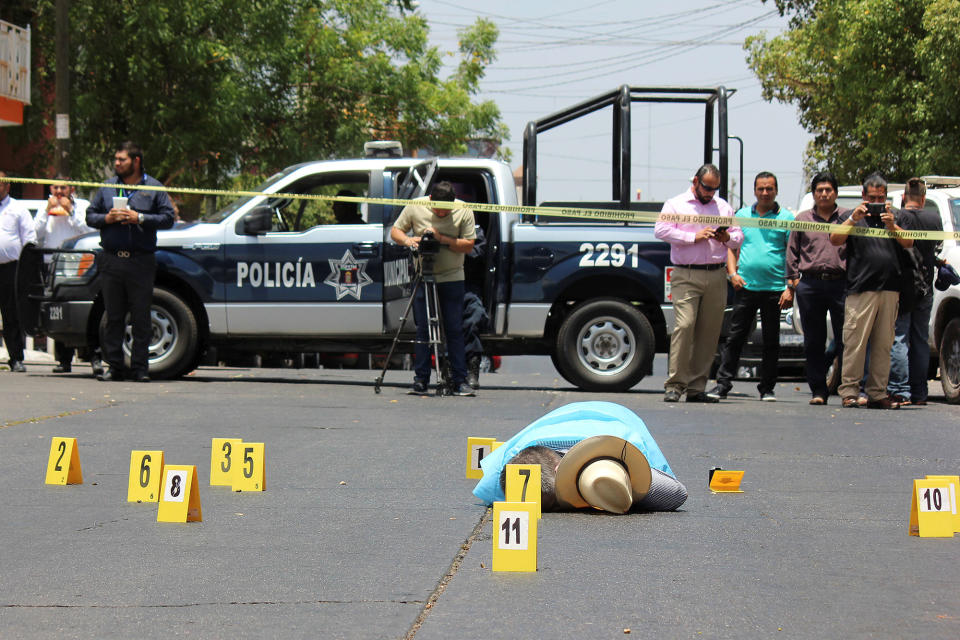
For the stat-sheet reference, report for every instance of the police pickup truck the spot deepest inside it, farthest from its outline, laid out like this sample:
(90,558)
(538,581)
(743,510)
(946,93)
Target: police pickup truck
(267,274)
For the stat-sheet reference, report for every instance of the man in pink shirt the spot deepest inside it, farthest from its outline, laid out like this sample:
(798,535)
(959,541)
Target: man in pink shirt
(698,284)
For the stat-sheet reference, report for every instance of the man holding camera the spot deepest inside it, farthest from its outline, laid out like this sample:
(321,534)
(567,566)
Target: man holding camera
(128,220)
(454,229)
(873,295)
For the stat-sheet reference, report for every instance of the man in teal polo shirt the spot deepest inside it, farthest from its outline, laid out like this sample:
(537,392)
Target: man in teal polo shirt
(758,274)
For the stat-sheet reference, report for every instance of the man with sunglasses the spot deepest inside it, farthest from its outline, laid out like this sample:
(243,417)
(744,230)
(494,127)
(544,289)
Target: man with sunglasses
(698,283)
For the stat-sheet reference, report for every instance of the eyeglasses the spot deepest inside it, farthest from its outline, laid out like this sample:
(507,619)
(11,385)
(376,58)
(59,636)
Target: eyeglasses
(707,187)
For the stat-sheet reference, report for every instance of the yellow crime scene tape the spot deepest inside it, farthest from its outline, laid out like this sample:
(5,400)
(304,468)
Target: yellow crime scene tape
(614,215)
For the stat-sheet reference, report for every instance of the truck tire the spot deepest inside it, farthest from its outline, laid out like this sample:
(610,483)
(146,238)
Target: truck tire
(175,341)
(950,361)
(603,345)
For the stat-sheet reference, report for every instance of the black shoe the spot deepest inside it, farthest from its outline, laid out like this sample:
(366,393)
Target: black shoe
(419,388)
(17,367)
(110,375)
(719,392)
(462,389)
(97,366)
(473,372)
(62,368)
(671,396)
(140,377)
(701,397)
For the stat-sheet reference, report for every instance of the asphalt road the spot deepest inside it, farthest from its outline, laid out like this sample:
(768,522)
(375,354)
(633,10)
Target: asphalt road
(368,528)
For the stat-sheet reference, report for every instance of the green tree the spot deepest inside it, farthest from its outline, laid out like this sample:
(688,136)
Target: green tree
(875,81)
(219,88)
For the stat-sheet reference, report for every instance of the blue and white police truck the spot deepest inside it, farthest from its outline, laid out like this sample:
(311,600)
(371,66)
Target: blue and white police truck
(268,273)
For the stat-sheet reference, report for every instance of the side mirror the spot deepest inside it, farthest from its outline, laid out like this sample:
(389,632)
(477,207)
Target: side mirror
(256,223)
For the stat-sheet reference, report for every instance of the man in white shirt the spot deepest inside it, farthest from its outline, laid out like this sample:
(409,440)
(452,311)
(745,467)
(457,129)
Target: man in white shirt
(63,218)
(16,230)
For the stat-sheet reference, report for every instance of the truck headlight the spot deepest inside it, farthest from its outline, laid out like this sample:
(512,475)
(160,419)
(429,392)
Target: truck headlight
(73,266)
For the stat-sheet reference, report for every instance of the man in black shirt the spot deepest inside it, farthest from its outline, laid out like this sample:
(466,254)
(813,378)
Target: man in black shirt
(128,220)
(873,295)
(910,356)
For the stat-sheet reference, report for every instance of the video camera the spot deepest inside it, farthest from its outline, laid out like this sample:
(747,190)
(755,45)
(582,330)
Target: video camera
(425,254)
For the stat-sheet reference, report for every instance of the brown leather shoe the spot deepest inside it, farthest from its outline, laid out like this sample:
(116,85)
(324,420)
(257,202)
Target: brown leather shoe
(882,403)
(850,402)
(899,400)
(818,400)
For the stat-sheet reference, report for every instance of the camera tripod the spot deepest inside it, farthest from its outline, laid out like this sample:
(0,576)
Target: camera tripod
(435,337)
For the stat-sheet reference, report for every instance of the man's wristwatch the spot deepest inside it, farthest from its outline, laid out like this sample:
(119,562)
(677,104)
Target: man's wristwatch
(139,218)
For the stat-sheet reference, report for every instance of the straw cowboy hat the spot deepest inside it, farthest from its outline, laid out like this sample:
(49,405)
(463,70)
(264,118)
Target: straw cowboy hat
(603,472)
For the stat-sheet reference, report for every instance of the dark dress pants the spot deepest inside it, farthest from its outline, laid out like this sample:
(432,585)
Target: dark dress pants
(127,288)
(450,303)
(816,298)
(745,307)
(13,338)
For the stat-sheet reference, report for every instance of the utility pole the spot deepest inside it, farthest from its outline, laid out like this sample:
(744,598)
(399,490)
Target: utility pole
(62,81)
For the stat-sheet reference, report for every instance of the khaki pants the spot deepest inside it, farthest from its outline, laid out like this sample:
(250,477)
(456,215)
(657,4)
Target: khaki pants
(699,297)
(869,318)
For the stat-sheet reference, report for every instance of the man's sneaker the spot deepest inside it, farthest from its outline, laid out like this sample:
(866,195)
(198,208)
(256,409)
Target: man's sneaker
(701,397)
(719,392)
(768,397)
(462,389)
(473,371)
(419,388)
(17,366)
(671,396)
(63,368)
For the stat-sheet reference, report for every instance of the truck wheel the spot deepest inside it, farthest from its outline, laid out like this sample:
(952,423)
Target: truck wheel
(175,338)
(950,361)
(603,345)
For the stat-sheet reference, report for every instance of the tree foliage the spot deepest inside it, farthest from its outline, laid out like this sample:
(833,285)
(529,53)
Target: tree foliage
(875,81)
(216,88)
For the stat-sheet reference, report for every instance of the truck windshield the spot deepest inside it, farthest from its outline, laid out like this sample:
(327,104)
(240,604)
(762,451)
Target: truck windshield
(239,202)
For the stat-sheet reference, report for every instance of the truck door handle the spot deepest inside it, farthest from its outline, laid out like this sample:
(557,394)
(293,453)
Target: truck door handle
(366,249)
(542,259)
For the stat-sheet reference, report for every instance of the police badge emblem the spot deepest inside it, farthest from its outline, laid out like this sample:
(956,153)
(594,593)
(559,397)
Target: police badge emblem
(348,276)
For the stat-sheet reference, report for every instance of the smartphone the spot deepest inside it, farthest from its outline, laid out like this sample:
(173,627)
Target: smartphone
(721,229)
(874,211)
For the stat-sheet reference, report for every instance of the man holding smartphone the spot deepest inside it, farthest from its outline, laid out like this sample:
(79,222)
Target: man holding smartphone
(128,220)
(699,288)
(873,295)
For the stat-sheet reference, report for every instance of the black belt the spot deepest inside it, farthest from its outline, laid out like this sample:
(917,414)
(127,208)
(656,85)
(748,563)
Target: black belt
(823,275)
(705,267)
(128,253)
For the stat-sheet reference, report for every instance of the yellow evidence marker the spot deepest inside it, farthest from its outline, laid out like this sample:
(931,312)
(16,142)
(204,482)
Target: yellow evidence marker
(523,484)
(146,468)
(222,465)
(63,466)
(954,490)
(250,474)
(514,536)
(477,450)
(180,499)
(931,514)
(725,481)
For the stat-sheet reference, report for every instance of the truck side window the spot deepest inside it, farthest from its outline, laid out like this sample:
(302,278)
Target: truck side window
(294,215)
